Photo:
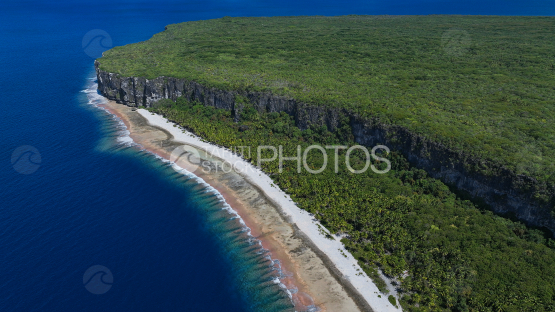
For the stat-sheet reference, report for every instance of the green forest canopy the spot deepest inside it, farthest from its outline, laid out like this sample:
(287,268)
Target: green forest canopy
(483,84)
(458,257)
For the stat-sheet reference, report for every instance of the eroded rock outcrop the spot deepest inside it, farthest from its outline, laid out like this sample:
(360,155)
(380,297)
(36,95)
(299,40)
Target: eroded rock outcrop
(503,190)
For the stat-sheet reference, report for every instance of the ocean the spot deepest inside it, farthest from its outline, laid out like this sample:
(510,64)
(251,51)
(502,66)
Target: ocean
(89,221)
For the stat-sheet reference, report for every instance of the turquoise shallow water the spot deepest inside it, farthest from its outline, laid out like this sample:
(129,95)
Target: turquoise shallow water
(75,195)
(255,276)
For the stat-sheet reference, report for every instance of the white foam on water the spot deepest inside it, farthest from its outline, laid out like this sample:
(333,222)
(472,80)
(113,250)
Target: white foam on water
(245,228)
(95,99)
(124,138)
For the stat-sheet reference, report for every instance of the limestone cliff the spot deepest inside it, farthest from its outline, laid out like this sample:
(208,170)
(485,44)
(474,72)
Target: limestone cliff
(503,190)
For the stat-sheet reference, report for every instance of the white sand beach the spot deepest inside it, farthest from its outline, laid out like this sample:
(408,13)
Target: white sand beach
(332,249)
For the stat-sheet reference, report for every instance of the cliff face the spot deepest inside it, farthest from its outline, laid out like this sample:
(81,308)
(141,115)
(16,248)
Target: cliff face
(502,189)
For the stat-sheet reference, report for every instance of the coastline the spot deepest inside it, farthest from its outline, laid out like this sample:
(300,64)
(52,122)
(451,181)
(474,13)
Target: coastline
(318,271)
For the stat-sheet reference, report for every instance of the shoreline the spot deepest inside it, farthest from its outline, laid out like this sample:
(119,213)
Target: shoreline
(317,271)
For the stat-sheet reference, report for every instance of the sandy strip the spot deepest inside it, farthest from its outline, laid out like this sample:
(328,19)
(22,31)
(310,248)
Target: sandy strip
(322,272)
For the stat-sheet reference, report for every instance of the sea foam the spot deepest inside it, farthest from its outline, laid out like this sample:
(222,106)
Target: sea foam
(123,138)
(97,100)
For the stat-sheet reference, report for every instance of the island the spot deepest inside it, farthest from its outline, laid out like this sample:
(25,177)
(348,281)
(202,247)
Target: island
(456,214)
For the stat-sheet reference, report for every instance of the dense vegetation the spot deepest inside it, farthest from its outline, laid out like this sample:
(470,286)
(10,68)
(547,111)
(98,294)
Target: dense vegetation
(484,85)
(480,84)
(457,257)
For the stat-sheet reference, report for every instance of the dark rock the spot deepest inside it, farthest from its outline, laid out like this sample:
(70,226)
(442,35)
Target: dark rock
(503,190)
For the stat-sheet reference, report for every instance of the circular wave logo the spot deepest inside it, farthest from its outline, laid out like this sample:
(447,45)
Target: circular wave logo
(455,42)
(95,42)
(26,159)
(98,279)
(188,154)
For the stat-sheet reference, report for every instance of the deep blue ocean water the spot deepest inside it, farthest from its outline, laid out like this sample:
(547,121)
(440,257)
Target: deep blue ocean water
(89,199)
